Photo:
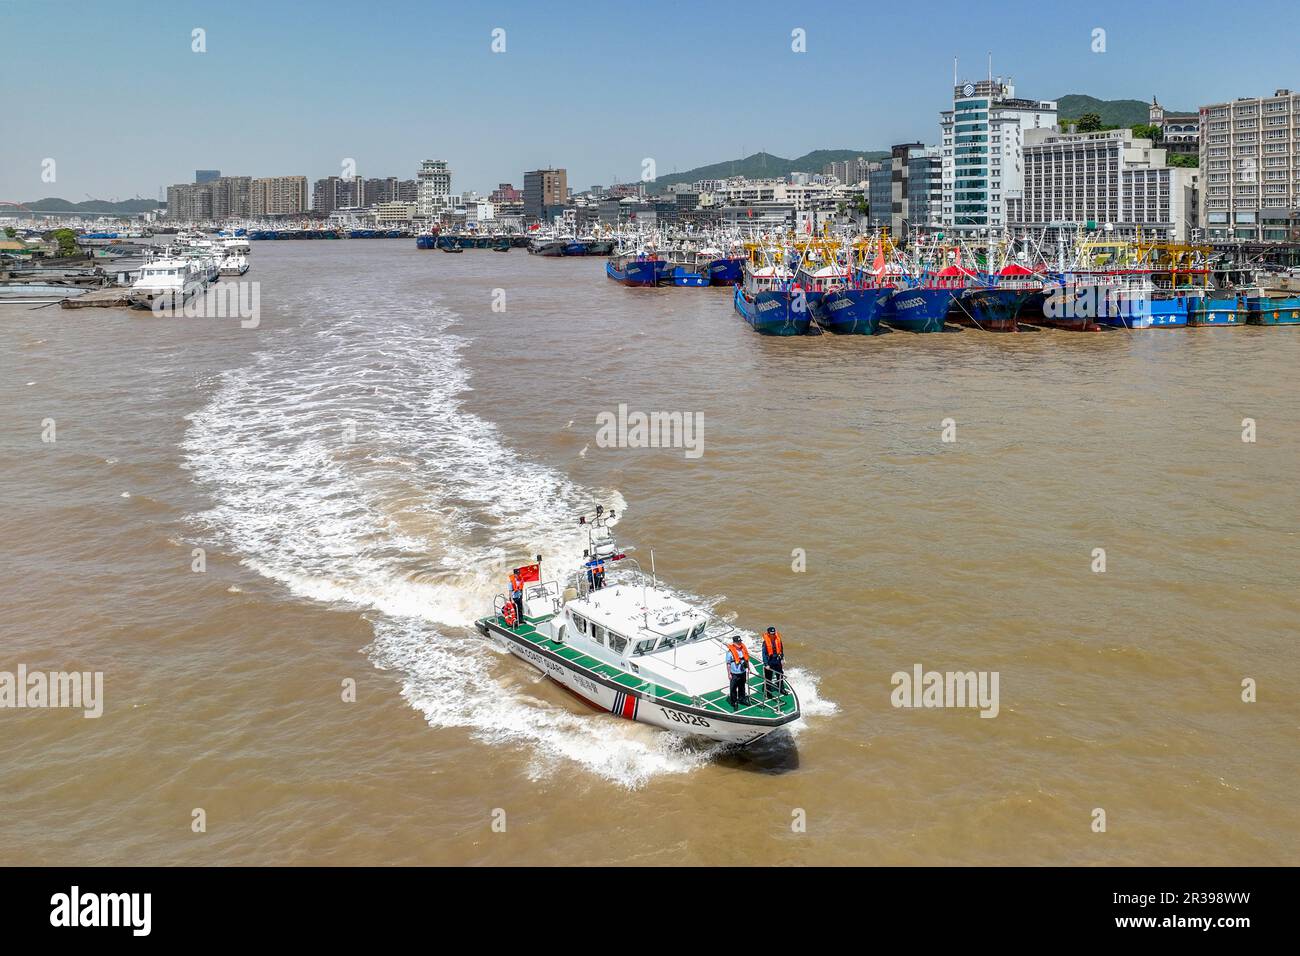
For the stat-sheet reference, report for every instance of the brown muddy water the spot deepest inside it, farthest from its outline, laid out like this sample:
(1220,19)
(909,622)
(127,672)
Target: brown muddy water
(362,467)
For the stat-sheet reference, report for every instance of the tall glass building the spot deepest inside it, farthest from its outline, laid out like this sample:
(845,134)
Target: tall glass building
(983,142)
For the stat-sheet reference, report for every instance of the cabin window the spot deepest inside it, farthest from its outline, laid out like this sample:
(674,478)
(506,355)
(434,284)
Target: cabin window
(580,623)
(598,634)
(645,647)
(617,642)
(698,632)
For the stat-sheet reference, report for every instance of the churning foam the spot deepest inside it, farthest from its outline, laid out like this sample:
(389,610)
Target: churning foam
(342,464)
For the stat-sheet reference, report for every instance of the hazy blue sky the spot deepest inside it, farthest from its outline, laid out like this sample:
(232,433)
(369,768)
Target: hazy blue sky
(114,94)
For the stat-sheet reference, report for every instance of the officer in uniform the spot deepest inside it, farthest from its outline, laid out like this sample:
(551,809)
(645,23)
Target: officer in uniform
(517,594)
(738,671)
(773,664)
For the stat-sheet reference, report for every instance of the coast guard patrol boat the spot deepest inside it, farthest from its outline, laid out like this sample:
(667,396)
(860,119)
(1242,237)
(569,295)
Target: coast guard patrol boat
(612,636)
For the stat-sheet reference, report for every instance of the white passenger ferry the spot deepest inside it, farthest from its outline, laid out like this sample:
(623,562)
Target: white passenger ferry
(612,636)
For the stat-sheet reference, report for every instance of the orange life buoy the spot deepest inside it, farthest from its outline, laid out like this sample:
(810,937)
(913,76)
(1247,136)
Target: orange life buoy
(508,612)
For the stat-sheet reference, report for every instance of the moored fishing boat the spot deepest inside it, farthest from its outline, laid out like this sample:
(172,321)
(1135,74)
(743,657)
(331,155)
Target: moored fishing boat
(992,302)
(1217,310)
(769,302)
(618,640)
(684,278)
(722,268)
(636,268)
(1273,310)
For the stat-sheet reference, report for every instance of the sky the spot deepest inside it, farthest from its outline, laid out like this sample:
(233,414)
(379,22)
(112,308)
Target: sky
(117,97)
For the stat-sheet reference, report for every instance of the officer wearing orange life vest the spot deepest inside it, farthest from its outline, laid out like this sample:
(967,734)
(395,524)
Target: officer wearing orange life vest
(517,593)
(773,663)
(738,671)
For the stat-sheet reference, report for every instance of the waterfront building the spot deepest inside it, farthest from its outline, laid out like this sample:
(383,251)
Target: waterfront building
(394,213)
(905,193)
(325,196)
(408,190)
(1108,180)
(1250,168)
(433,188)
(1180,133)
(758,215)
(206,175)
(378,190)
(545,191)
(880,193)
(278,196)
(189,202)
(230,197)
(983,136)
(506,193)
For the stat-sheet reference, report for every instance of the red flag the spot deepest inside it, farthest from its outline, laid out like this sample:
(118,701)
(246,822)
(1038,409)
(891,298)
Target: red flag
(529,572)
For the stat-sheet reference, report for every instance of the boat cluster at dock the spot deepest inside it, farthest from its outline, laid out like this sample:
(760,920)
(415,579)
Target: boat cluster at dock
(868,284)
(183,268)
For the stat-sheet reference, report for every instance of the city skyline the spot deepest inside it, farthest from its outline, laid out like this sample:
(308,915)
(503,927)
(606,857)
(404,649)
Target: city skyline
(388,98)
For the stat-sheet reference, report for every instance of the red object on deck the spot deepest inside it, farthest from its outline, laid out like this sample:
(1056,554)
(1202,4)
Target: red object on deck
(529,572)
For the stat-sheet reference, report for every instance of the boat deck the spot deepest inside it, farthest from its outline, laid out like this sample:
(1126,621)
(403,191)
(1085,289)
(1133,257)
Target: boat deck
(715,701)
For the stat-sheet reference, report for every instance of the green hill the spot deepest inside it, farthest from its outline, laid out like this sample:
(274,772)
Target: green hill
(1112,112)
(766,166)
(127,207)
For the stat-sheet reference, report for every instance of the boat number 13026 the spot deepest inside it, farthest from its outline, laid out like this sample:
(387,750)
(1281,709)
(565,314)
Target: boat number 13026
(685,718)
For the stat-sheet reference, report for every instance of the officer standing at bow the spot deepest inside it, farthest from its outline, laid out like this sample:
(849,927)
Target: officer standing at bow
(773,664)
(738,671)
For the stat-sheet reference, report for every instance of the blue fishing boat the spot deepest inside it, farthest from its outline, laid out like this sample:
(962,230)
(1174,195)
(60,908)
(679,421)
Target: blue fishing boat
(769,302)
(991,301)
(574,247)
(635,269)
(685,278)
(853,310)
(1264,310)
(426,242)
(1217,310)
(922,304)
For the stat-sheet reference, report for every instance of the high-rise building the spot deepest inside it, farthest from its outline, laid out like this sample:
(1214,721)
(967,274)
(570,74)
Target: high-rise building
(230,197)
(408,190)
(206,175)
(983,135)
(1250,168)
(434,187)
(545,190)
(278,196)
(1110,181)
(325,195)
(850,171)
(379,190)
(904,193)
(190,202)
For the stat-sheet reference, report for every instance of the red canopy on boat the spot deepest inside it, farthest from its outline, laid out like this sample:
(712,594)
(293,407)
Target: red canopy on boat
(950,272)
(1015,269)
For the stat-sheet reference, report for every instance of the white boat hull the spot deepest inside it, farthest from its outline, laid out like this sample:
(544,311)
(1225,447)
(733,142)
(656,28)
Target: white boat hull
(643,707)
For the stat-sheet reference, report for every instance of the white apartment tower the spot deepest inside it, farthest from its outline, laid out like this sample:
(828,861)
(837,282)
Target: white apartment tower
(983,140)
(1250,168)
(433,189)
